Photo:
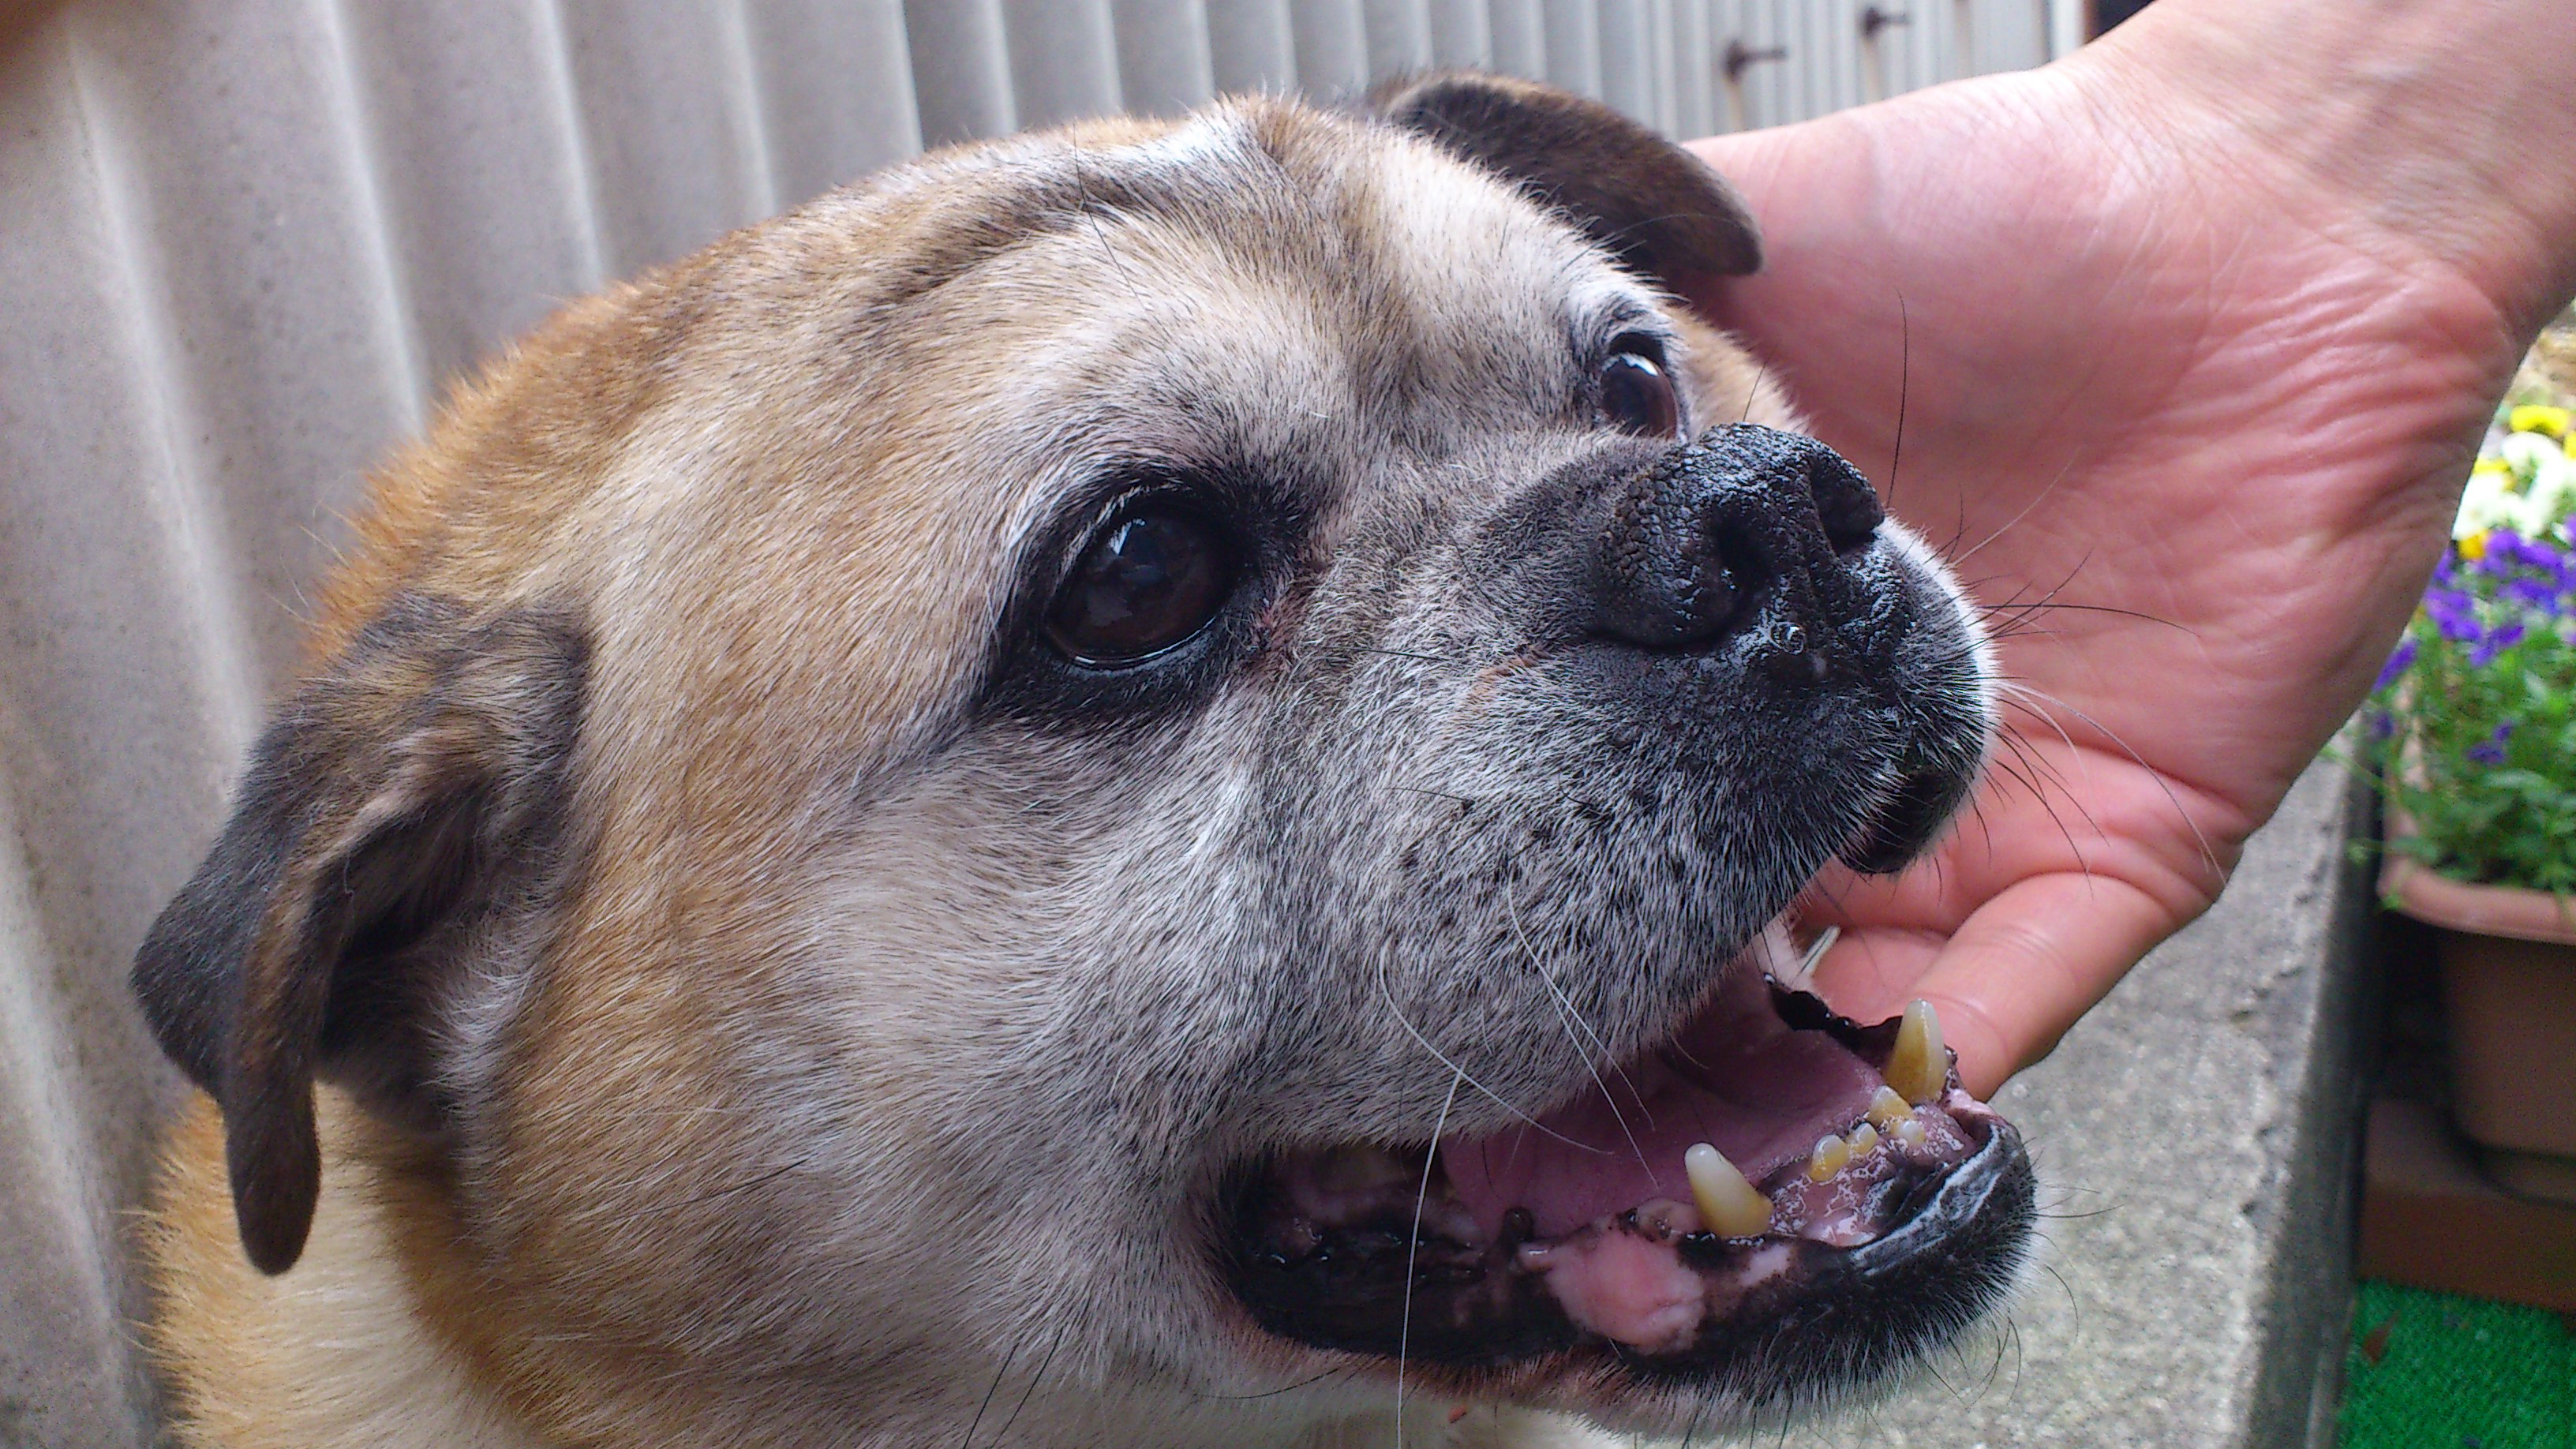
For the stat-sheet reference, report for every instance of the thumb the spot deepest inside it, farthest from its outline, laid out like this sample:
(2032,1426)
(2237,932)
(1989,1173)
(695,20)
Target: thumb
(2014,976)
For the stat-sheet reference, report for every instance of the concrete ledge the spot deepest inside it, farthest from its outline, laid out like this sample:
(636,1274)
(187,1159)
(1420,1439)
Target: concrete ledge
(2196,1138)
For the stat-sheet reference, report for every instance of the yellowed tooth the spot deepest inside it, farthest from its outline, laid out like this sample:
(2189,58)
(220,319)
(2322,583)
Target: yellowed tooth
(1918,1068)
(1832,1155)
(1886,1109)
(1910,1132)
(1728,1205)
(1863,1138)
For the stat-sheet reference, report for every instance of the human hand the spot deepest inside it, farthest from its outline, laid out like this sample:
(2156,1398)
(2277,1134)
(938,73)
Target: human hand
(2193,337)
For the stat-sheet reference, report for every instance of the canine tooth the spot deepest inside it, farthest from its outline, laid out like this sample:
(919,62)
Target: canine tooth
(1728,1205)
(1863,1138)
(1886,1109)
(1918,1068)
(1910,1132)
(1832,1155)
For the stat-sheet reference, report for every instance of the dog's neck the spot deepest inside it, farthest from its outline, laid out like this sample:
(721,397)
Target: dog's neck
(332,1353)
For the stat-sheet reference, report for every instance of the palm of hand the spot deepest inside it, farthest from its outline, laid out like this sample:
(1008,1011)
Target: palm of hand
(2194,452)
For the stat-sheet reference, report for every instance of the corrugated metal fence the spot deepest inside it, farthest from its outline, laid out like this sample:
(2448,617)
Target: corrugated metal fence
(242,244)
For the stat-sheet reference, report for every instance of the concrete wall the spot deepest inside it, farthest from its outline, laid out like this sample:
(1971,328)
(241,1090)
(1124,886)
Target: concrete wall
(243,245)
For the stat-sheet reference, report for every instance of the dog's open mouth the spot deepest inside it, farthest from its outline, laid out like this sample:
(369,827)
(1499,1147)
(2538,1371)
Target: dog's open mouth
(1773,1196)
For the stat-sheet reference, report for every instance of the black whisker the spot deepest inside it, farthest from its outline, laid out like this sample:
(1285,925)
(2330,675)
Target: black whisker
(2012,738)
(1049,1357)
(1343,1372)
(998,1374)
(1403,654)
(2082,864)
(2065,1287)
(1692,1430)
(1090,209)
(763,1180)
(1904,382)
(2036,500)
(2208,853)
(2109,609)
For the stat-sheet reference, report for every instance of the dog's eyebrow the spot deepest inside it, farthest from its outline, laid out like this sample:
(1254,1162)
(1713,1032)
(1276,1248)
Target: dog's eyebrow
(1010,222)
(1623,313)
(1590,329)
(1076,188)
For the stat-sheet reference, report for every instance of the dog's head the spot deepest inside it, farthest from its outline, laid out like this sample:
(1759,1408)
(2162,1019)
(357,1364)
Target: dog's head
(1162,746)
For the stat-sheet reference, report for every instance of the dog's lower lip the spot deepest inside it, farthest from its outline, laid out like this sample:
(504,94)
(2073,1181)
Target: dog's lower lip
(1906,823)
(1925,1236)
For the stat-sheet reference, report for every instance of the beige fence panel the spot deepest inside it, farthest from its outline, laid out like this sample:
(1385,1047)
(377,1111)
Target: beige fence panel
(1252,45)
(1165,61)
(245,242)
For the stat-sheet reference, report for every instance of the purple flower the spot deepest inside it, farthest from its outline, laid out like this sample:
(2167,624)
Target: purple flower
(2453,612)
(2531,593)
(2395,666)
(2491,750)
(2542,554)
(2538,560)
(2383,725)
(2482,651)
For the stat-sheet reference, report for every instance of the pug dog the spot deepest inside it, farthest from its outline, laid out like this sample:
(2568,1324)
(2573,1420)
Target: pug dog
(1137,786)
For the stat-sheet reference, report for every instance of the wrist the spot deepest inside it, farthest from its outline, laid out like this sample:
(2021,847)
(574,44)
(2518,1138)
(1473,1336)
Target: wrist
(2422,131)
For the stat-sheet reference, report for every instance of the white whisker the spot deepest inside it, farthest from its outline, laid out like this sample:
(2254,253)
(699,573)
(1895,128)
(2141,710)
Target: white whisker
(1404,1324)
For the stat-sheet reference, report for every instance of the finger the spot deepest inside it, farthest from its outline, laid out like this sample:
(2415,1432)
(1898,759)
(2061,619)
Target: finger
(1749,160)
(1752,162)
(2014,976)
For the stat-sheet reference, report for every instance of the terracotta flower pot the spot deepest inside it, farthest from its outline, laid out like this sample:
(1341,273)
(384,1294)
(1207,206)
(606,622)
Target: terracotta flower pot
(2508,960)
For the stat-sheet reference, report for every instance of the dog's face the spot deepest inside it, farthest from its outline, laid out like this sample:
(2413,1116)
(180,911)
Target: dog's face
(1161,747)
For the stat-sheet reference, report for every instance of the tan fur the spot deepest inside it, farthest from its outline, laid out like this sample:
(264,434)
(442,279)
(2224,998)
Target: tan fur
(739,470)
(335,1353)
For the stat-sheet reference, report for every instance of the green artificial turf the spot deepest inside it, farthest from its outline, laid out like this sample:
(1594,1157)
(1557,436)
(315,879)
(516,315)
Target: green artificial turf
(2430,1371)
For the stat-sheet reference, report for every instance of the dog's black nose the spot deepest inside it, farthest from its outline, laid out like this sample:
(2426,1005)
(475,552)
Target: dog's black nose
(1700,539)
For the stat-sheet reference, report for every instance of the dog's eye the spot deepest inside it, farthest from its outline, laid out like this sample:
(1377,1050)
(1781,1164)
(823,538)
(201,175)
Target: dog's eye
(1637,396)
(1147,582)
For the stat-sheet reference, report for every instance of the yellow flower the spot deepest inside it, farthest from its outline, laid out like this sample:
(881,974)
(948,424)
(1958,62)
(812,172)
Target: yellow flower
(2472,546)
(2533,418)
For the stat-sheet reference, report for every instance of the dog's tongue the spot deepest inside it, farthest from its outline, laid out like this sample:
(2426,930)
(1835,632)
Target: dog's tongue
(1738,1078)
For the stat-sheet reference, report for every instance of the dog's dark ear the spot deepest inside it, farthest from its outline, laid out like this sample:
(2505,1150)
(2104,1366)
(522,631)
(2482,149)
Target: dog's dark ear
(1661,209)
(402,801)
